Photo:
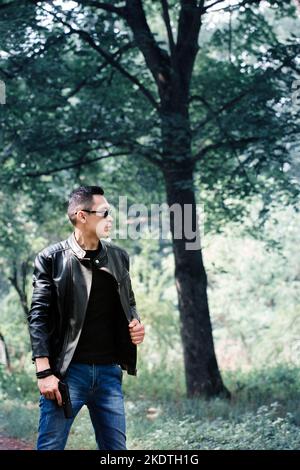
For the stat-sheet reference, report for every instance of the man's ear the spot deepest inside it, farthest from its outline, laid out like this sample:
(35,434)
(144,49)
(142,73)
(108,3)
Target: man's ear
(82,217)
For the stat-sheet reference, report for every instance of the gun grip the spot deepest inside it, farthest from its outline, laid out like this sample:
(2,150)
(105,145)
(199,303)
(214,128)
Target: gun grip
(66,400)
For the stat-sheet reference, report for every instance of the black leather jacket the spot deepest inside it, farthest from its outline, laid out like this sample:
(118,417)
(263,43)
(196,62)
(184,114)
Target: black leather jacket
(62,281)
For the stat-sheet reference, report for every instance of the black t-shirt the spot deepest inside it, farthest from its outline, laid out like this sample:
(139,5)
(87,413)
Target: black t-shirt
(97,342)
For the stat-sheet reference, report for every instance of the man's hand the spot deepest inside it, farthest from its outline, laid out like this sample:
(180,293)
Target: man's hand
(49,388)
(137,331)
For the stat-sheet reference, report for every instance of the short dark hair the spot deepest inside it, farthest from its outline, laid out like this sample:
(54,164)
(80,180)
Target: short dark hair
(82,198)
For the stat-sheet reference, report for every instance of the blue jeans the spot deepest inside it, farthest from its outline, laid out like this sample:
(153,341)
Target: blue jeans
(100,388)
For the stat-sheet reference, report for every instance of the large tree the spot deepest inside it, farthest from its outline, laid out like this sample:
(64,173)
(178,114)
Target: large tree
(94,81)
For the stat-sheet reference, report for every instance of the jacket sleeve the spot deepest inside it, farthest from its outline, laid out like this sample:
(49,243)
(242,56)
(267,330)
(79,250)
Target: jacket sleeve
(38,316)
(132,302)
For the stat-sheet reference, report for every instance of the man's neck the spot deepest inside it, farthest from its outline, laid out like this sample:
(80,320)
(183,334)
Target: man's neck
(87,242)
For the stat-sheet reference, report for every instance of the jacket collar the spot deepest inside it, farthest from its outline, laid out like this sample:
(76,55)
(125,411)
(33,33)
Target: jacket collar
(81,253)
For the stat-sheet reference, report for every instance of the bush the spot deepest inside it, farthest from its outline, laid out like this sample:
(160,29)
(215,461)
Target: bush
(17,385)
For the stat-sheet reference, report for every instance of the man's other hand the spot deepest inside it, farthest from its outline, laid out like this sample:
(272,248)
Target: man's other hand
(137,331)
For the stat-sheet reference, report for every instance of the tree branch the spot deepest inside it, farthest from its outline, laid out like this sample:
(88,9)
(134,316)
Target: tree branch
(189,25)
(10,4)
(131,147)
(231,7)
(207,7)
(82,162)
(75,164)
(6,74)
(167,21)
(21,293)
(7,357)
(18,67)
(109,58)
(157,60)
(87,38)
(286,62)
(146,152)
(87,79)
(229,143)
(120,11)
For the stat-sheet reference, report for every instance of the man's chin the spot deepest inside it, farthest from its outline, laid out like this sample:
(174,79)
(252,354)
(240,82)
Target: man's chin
(105,234)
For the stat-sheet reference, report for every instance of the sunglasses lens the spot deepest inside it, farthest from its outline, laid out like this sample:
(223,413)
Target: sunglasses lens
(105,214)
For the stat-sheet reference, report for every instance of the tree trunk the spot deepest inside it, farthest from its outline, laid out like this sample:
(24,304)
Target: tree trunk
(4,354)
(202,373)
(18,281)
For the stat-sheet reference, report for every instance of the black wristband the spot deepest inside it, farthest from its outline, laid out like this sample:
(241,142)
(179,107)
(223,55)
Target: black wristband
(44,373)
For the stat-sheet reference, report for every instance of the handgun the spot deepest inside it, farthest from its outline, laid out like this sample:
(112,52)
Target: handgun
(66,400)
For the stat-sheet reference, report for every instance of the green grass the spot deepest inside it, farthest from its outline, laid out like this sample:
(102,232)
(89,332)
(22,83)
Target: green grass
(262,414)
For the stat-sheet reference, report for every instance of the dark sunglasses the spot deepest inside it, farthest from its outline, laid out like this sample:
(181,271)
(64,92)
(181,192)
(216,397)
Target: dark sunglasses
(105,213)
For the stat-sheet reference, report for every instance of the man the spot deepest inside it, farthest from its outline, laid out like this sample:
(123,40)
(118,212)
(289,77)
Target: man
(84,326)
